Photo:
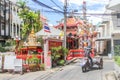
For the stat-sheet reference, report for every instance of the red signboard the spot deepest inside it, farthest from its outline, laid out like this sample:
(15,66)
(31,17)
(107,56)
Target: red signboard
(54,44)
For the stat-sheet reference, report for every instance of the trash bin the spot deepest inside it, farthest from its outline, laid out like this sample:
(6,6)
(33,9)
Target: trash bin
(110,56)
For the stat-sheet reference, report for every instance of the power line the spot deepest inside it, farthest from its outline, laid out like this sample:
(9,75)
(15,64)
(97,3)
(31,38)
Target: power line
(58,11)
(56,4)
(44,5)
(91,14)
(97,14)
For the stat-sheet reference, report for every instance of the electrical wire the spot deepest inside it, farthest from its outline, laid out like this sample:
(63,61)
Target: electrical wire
(56,4)
(89,14)
(97,14)
(58,11)
(44,5)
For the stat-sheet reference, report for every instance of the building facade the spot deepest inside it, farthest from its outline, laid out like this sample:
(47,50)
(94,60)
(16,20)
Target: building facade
(109,30)
(15,20)
(4,20)
(10,23)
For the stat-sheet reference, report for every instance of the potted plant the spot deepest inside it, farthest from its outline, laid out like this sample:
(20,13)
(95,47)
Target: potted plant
(55,56)
(42,66)
(58,55)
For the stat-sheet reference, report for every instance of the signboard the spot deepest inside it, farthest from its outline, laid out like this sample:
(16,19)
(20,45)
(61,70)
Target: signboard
(0,62)
(54,44)
(17,64)
(9,62)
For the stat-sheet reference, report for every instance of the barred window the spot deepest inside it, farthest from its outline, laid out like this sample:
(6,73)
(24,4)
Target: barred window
(118,15)
(118,19)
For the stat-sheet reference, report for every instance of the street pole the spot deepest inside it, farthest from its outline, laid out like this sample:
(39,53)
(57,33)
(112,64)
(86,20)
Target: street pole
(65,20)
(112,46)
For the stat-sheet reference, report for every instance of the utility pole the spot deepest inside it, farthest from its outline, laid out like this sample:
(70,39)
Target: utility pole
(65,21)
(84,10)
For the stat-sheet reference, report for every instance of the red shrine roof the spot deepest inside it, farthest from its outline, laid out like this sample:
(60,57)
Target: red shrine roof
(71,22)
(73,32)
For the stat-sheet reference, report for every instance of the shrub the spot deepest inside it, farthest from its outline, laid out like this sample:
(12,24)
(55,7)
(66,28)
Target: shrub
(117,60)
(58,55)
(2,49)
(117,50)
(61,62)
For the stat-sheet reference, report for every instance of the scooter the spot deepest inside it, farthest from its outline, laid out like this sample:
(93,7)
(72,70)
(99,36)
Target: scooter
(86,64)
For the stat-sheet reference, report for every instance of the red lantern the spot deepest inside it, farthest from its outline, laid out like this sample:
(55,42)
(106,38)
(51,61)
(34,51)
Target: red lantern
(39,50)
(39,56)
(24,57)
(19,56)
(30,56)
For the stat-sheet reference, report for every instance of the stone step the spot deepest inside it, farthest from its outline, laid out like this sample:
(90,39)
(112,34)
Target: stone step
(106,58)
(110,76)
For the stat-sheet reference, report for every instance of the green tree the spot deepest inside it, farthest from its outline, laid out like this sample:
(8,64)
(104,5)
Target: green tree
(30,18)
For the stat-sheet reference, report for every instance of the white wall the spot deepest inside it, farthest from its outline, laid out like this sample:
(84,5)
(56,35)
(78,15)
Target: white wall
(15,20)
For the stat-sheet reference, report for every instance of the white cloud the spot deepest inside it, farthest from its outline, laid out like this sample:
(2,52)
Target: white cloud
(93,2)
(88,2)
(100,10)
(94,20)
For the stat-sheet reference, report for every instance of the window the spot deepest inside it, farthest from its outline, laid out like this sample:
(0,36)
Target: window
(14,29)
(2,26)
(14,9)
(116,42)
(118,19)
(17,10)
(118,15)
(17,29)
(118,22)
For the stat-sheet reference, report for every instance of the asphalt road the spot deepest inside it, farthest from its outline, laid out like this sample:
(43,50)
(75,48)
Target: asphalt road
(69,72)
(74,72)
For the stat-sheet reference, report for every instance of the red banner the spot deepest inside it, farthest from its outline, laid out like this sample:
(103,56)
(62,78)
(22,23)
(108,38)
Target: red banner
(54,44)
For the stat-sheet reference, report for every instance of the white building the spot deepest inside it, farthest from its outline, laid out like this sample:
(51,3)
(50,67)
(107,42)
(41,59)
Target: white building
(16,21)
(110,29)
(9,22)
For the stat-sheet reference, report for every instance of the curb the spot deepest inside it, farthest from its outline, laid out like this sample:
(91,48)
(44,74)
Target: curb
(110,76)
(69,61)
(117,71)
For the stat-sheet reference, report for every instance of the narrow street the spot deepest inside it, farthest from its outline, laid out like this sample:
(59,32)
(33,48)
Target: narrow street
(74,72)
(69,72)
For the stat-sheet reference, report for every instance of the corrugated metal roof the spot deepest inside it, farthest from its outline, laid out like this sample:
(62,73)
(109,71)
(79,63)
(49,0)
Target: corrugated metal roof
(103,38)
(116,32)
(114,4)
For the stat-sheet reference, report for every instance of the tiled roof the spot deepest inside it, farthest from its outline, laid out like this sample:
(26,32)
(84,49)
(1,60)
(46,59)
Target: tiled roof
(71,22)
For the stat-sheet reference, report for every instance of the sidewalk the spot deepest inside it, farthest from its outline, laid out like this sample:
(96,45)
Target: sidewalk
(112,75)
(42,74)
(117,71)
(29,75)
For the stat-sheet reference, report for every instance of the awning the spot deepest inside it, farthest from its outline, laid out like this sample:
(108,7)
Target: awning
(103,38)
(116,32)
(114,5)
